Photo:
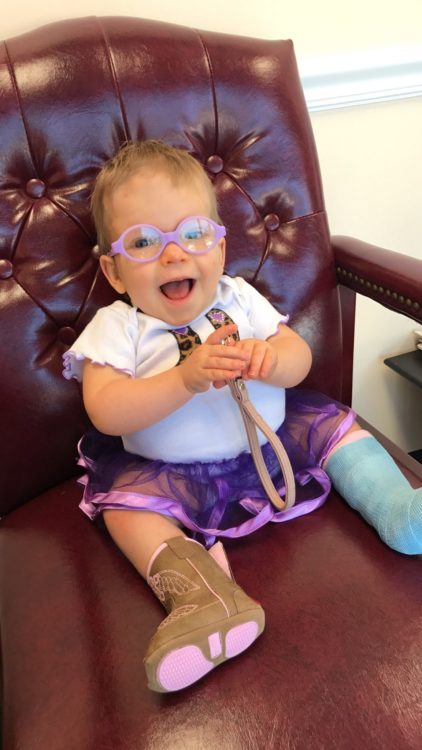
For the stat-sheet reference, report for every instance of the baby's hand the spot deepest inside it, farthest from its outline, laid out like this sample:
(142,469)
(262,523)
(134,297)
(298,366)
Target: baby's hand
(213,362)
(262,359)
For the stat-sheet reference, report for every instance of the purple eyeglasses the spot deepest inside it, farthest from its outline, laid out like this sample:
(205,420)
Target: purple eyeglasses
(143,242)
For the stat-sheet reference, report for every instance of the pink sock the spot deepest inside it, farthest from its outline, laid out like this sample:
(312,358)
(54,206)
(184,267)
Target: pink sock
(218,554)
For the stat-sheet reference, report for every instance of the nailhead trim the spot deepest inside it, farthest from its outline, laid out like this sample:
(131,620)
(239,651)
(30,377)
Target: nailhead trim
(380,289)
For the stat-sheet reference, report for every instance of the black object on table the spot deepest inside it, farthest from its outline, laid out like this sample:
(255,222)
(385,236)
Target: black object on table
(409,365)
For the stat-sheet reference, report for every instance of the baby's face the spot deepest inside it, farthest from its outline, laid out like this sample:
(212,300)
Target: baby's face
(177,286)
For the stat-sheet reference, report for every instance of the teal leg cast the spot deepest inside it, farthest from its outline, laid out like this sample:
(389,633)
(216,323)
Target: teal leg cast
(369,480)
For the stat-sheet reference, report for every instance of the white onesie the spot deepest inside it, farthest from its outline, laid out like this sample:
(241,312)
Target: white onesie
(209,427)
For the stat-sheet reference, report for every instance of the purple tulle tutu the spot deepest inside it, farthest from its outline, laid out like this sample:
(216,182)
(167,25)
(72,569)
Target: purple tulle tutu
(224,498)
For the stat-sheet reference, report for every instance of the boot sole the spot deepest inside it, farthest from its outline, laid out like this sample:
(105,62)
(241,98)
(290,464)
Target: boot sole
(187,663)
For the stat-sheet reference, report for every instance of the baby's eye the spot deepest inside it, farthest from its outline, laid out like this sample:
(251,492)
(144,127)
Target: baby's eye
(194,234)
(143,242)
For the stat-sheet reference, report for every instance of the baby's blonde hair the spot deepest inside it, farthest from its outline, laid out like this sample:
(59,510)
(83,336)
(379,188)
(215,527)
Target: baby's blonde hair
(132,157)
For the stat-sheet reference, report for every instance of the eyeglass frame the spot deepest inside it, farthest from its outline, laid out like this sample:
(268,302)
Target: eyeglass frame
(117,247)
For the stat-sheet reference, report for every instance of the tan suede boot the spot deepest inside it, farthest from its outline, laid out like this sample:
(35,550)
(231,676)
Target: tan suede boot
(210,618)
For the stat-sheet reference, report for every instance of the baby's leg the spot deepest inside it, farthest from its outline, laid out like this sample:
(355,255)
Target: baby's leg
(139,533)
(210,619)
(368,479)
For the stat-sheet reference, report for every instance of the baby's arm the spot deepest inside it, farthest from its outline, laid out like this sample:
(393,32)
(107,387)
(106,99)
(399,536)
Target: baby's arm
(118,404)
(284,359)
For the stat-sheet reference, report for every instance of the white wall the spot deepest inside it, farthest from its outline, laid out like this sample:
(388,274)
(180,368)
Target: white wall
(317,28)
(371,159)
(370,155)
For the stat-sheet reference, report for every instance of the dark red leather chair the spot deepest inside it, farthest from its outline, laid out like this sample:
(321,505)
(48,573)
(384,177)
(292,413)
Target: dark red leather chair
(340,662)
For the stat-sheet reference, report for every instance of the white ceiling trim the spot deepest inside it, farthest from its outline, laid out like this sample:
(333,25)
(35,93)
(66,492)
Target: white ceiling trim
(362,78)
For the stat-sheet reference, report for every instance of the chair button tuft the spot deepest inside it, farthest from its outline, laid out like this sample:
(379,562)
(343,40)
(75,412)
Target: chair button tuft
(66,335)
(36,188)
(272,222)
(6,269)
(215,163)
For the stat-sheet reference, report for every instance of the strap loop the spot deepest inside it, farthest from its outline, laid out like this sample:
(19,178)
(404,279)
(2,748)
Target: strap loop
(253,421)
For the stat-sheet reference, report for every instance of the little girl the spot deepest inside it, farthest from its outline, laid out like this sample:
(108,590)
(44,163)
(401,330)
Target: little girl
(170,453)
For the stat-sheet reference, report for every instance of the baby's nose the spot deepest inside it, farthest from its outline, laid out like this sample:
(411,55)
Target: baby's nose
(173,253)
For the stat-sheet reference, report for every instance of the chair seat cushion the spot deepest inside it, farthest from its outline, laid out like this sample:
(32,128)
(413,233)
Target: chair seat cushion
(339,659)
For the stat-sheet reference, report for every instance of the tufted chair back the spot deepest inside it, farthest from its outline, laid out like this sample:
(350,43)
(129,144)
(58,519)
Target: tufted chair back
(246,122)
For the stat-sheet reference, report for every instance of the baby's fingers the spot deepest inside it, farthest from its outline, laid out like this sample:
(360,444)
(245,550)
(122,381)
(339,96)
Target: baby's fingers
(229,363)
(217,336)
(262,363)
(219,381)
(268,364)
(256,361)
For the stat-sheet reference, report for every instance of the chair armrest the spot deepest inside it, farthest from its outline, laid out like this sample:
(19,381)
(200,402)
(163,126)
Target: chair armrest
(392,279)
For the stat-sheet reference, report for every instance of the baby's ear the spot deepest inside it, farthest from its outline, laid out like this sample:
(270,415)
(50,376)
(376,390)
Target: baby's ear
(223,253)
(109,268)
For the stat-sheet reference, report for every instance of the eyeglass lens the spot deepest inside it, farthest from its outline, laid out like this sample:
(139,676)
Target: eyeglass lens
(194,235)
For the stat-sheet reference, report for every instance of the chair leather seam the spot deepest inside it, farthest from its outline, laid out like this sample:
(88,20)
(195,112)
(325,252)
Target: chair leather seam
(112,67)
(20,107)
(213,89)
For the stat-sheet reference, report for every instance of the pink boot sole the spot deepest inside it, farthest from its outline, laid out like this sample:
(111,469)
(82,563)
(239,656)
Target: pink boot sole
(186,665)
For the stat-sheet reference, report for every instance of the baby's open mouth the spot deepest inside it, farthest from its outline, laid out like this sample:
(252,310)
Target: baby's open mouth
(177,289)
